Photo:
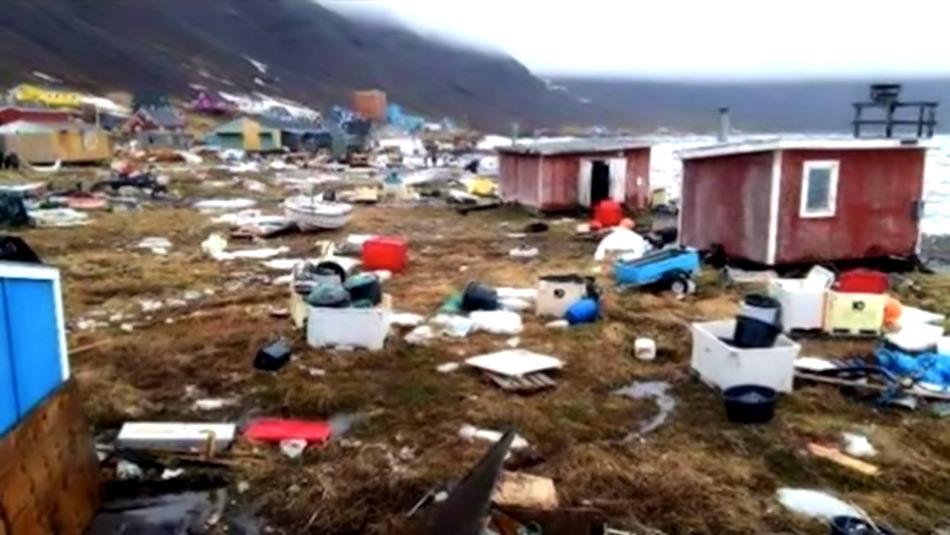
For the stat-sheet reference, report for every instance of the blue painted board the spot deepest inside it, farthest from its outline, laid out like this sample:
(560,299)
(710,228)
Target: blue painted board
(34,340)
(9,412)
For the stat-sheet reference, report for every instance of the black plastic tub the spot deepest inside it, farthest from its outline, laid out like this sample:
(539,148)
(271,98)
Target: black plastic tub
(478,296)
(750,404)
(850,525)
(753,333)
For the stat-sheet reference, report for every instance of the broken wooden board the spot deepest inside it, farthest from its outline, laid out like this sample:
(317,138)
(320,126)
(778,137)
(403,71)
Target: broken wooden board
(918,392)
(49,473)
(837,456)
(531,382)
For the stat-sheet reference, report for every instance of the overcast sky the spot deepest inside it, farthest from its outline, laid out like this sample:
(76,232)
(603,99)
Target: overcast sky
(692,38)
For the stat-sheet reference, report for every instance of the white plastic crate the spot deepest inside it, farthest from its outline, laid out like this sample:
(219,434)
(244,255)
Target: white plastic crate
(556,296)
(350,327)
(722,365)
(803,300)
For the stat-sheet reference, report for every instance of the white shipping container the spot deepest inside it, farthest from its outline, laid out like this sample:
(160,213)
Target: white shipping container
(722,365)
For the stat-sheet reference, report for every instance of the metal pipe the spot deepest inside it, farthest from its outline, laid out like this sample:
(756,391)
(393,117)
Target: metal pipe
(723,125)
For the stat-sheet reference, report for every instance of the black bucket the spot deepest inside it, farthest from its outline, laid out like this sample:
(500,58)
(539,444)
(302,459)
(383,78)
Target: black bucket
(850,525)
(329,295)
(364,287)
(478,296)
(763,308)
(753,333)
(750,404)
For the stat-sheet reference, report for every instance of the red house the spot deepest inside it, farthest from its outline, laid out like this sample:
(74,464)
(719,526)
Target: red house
(9,114)
(801,201)
(562,175)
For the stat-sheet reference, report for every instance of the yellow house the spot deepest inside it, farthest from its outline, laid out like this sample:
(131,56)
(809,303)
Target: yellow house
(51,142)
(31,94)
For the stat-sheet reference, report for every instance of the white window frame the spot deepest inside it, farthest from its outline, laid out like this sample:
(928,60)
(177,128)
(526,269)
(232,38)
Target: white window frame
(831,165)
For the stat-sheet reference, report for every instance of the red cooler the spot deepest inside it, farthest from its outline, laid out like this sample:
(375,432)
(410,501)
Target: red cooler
(862,281)
(608,213)
(384,252)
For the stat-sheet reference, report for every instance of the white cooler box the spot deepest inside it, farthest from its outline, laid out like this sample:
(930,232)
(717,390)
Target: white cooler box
(351,327)
(723,365)
(557,293)
(803,300)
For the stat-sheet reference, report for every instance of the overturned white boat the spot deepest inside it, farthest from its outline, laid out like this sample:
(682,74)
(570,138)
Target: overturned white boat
(313,213)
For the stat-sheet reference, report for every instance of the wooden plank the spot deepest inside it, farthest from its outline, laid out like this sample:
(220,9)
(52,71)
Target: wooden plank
(836,456)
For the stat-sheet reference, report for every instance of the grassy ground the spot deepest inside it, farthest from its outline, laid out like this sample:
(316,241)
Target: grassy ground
(695,474)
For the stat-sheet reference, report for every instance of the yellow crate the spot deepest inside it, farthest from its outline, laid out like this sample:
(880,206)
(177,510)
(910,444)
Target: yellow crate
(854,313)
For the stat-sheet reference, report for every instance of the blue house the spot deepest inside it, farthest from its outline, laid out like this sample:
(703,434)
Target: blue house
(33,356)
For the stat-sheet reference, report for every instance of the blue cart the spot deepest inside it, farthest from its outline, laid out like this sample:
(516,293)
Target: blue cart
(671,269)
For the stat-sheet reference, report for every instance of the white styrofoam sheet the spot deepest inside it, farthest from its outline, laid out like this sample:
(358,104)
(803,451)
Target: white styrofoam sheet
(174,435)
(515,362)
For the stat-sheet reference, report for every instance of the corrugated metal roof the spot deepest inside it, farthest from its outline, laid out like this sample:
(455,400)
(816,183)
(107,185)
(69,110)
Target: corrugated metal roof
(768,145)
(599,144)
(31,127)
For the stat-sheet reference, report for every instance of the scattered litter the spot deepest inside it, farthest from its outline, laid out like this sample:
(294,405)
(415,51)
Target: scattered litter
(282,264)
(316,372)
(523,252)
(421,335)
(815,504)
(815,364)
(127,327)
(448,367)
(127,470)
(514,304)
(557,324)
(213,404)
(223,205)
(644,348)
(454,325)
(916,336)
(58,217)
(172,473)
(277,430)
(857,445)
(273,356)
(174,436)
(836,456)
(470,433)
(621,241)
(156,245)
(293,448)
(528,294)
(496,321)
(514,362)
(405,319)
(515,489)
(255,186)
(513,342)
(149,305)
(658,390)
(216,246)
(243,486)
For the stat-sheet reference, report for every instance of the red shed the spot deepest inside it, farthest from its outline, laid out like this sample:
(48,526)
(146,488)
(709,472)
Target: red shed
(9,114)
(797,201)
(552,176)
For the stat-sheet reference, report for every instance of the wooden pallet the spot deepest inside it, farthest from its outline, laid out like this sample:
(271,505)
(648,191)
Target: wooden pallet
(531,382)
(841,332)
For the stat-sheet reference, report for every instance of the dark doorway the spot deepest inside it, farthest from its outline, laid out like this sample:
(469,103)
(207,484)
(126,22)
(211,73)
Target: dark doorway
(599,182)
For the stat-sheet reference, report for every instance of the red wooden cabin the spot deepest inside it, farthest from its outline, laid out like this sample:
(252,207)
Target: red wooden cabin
(803,201)
(9,114)
(562,175)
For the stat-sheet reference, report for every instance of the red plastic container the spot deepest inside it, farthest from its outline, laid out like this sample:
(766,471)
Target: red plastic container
(863,281)
(608,213)
(276,429)
(384,252)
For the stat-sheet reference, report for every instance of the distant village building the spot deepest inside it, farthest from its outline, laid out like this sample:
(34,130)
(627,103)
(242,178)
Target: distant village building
(71,142)
(265,134)
(803,201)
(211,103)
(371,104)
(161,127)
(555,176)
(53,98)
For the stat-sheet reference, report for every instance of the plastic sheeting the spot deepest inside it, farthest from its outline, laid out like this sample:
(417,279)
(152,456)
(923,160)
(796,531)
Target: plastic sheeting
(932,370)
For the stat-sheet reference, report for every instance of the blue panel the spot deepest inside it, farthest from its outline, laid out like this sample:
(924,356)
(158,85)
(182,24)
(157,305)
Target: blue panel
(9,413)
(34,340)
